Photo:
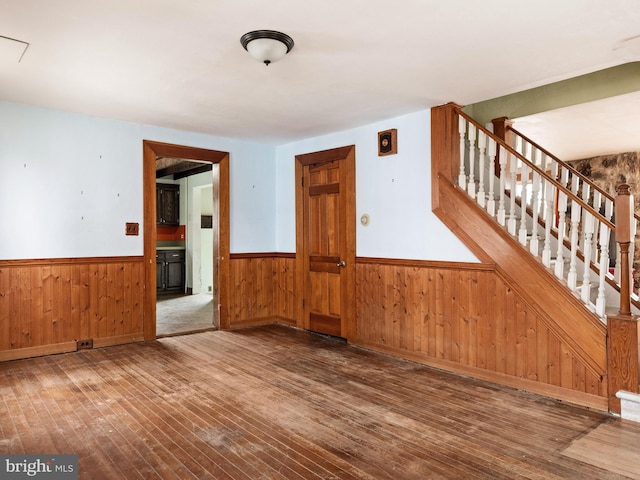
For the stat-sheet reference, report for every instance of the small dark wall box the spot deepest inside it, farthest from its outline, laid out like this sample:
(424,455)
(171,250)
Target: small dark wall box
(388,142)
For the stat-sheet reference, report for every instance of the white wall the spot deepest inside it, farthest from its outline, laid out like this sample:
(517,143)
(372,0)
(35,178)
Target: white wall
(394,190)
(70,182)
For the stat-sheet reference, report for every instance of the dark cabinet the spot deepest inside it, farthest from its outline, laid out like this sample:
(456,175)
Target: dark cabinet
(170,271)
(167,204)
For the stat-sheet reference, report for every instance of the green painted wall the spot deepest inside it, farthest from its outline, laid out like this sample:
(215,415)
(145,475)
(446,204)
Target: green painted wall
(585,88)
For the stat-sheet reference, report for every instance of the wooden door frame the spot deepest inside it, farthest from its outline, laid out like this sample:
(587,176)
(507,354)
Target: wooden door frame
(221,241)
(347,155)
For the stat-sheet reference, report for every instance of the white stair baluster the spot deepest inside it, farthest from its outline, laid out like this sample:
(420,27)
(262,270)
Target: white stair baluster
(481,198)
(513,176)
(562,219)
(534,245)
(491,202)
(564,176)
(576,213)
(462,176)
(574,184)
(608,214)
(503,186)
(597,205)
(473,152)
(584,194)
(587,233)
(524,179)
(605,234)
(549,194)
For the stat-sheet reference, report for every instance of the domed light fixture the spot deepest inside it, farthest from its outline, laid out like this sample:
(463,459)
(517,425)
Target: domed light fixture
(266,46)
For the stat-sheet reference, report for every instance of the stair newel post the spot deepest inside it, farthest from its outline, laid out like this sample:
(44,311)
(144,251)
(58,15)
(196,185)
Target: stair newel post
(445,147)
(462,129)
(491,202)
(618,266)
(473,152)
(576,213)
(625,227)
(482,144)
(549,194)
(605,233)
(623,329)
(562,220)
(502,130)
(502,190)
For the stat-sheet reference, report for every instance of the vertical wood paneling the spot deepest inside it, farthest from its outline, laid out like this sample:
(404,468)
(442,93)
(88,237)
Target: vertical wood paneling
(24,306)
(285,287)
(262,288)
(51,302)
(45,272)
(466,316)
(5,319)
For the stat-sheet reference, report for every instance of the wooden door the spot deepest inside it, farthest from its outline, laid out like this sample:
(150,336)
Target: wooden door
(327,240)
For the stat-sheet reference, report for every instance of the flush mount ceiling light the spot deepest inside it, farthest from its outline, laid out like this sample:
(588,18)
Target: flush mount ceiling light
(266,46)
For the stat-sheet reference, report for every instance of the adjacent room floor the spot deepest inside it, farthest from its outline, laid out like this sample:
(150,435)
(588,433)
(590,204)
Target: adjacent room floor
(183,313)
(278,403)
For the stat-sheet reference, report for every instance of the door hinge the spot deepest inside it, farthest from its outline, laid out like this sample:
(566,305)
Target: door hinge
(303,303)
(303,181)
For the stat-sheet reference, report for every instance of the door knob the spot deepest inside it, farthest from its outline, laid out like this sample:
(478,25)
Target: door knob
(341,263)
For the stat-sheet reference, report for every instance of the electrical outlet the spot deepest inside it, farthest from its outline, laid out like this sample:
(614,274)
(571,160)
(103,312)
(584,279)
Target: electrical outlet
(84,344)
(131,229)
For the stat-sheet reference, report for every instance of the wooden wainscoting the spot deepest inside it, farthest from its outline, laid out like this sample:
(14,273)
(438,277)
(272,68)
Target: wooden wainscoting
(464,318)
(47,305)
(262,289)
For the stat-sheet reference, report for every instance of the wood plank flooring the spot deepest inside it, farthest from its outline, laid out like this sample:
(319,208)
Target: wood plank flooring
(614,447)
(278,403)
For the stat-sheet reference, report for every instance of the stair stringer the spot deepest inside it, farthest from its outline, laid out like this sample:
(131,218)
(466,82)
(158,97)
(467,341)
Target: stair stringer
(578,329)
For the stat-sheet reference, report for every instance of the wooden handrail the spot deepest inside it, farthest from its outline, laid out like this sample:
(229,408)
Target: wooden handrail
(584,178)
(541,172)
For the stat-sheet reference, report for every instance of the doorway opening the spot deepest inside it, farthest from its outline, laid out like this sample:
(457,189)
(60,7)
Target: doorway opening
(205,250)
(184,246)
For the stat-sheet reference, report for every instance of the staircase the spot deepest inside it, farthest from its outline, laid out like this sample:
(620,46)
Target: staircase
(558,215)
(551,234)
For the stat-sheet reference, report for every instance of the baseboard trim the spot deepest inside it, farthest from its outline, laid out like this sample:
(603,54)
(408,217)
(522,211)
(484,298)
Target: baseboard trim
(118,340)
(574,397)
(40,351)
(259,321)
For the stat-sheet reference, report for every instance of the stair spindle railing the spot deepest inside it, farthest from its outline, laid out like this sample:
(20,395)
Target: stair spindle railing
(599,199)
(543,195)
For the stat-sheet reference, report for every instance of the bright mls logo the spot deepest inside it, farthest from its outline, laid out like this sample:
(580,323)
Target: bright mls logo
(50,467)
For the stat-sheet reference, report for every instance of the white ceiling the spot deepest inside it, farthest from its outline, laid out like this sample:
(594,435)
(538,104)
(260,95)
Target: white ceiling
(603,127)
(179,63)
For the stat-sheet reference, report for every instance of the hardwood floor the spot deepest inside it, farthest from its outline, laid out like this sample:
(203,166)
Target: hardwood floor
(278,403)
